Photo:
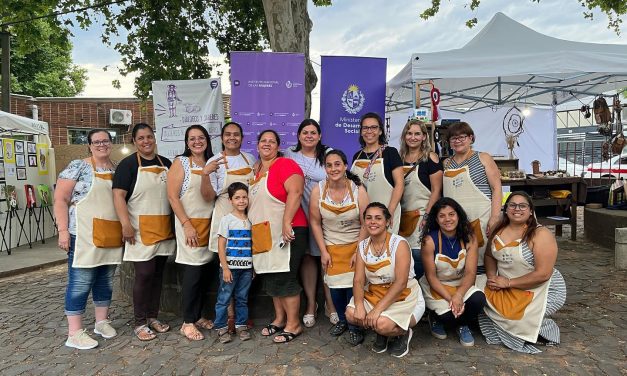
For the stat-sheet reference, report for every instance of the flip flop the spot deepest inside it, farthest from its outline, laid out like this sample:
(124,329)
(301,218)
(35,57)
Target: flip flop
(271,329)
(287,336)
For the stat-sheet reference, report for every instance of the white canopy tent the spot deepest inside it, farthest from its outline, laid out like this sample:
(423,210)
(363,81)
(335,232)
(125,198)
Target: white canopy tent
(15,124)
(509,63)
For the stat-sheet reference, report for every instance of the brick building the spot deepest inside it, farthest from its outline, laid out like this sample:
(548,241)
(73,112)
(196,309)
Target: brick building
(71,118)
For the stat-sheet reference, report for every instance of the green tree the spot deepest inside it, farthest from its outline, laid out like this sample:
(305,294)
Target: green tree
(614,9)
(41,51)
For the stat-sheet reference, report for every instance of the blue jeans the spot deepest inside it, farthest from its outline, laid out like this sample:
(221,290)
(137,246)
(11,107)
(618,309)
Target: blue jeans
(81,281)
(341,297)
(242,279)
(418,268)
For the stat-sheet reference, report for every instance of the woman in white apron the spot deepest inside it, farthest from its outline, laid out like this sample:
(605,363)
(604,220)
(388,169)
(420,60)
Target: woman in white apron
(279,234)
(335,212)
(192,211)
(449,256)
(472,179)
(309,154)
(386,297)
(523,288)
(423,186)
(232,165)
(90,232)
(379,167)
(141,202)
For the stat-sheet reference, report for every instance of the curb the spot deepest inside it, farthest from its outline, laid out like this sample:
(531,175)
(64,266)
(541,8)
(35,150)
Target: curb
(32,268)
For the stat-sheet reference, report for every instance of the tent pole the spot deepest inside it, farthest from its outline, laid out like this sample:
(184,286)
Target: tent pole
(5,39)
(499,87)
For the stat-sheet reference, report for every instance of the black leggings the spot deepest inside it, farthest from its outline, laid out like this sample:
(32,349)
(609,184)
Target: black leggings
(147,288)
(472,306)
(195,286)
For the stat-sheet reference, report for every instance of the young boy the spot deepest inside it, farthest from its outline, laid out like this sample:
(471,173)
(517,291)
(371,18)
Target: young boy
(236,264)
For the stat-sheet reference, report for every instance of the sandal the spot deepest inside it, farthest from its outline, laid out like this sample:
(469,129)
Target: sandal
(244,334)
(224,335)
(309,319)
(271,329)
(204,324)
(158,326)
(355,337)
(334,318)
(287,337)
(338,329)
(191,332)
(144,333)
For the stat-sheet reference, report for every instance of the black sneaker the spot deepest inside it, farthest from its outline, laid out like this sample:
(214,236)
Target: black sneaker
(338,329)
(400,347)
(380,344)
(355,337)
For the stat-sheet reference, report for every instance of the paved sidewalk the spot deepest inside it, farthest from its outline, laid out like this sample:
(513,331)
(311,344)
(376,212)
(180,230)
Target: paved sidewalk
(593,324)
(24,259)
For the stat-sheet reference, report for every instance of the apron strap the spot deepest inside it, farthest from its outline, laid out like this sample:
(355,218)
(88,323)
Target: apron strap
(139,160)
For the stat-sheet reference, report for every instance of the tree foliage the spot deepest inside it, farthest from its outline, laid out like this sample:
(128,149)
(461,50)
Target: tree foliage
(41,54)
(614,9)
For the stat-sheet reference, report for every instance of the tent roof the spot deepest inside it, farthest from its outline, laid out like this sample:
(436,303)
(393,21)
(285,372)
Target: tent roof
(508,62)
(15,124)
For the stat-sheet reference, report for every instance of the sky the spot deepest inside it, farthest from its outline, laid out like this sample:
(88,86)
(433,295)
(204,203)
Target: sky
(390,29)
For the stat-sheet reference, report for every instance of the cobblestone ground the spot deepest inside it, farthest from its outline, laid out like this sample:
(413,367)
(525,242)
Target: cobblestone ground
(593,324)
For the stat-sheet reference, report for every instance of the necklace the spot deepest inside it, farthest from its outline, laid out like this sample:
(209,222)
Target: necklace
(465,157)
(415,160)
(308,170)
(194,161)
(451,244)
(372,158)
(344,194)
(377,252)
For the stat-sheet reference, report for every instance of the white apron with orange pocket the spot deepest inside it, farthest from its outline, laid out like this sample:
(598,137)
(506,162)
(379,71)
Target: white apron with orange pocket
(98,229)
(150,214)
(199,213)
(414,203)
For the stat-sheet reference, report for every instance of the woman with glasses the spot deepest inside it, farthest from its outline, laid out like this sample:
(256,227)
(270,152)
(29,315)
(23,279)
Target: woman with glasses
(192,206)
(89,231)
(449,256)
(141,201)
(309,154)
(422,171)
(472,179)
(523,288)
(379,167)
(279,233)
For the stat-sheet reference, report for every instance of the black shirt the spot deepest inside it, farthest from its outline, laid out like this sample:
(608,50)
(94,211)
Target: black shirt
(425,169)
(391,161)
(126,172)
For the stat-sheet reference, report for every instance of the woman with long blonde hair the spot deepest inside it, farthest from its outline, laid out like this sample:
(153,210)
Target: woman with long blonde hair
(422,171)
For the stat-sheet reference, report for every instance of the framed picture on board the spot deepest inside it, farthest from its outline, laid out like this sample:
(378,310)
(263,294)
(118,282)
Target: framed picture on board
(31,148)
(19,147)
(32,161)
(3,191)
(20,160)
(1,149)
(29,191)
(11,197)
(9,153)
(21,174)
(44,195)
(2,174)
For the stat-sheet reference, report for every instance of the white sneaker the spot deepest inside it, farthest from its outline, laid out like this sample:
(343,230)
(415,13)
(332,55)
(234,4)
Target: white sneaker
(105,329)
(81,340)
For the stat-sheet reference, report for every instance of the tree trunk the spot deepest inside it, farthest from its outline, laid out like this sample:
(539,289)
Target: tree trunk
(289,26)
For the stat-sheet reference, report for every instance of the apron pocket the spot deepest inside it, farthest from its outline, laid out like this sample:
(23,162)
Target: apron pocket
(201,225)
(261,237)
(510,303)
(107,233)
(409,222)
(376,292)
(476,228)
(451,290)
(341,255)
(155,228)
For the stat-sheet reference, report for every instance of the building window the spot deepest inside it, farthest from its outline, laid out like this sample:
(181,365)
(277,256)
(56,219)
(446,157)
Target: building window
(78,136)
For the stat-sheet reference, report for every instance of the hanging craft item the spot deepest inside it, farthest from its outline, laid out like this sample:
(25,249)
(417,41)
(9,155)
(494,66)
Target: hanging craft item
(602,116)
(435,101)
(513,128)
(618,142)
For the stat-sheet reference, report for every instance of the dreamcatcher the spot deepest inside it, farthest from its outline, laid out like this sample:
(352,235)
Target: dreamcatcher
(513,128)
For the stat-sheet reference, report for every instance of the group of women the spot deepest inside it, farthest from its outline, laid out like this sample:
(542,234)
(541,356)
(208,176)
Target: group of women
(388,244)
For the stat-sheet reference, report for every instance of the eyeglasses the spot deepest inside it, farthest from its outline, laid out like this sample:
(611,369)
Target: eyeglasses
(199,139)
(370,129)
(101,143)
(522,206)
(461,138)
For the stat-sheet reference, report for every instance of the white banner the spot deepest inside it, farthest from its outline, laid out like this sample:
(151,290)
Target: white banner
(181,103)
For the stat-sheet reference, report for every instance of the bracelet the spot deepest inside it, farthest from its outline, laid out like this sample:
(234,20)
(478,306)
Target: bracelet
(184,222)
(509,282)
(64,230)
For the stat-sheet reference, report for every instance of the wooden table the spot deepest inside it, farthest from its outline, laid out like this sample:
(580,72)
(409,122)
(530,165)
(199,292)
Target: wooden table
(575,185)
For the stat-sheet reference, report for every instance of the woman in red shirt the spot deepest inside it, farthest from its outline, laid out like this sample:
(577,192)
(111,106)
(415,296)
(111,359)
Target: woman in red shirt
(279,233)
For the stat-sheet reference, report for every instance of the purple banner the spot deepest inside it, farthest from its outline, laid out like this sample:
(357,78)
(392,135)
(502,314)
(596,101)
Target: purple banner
(268,91)
(351,87)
